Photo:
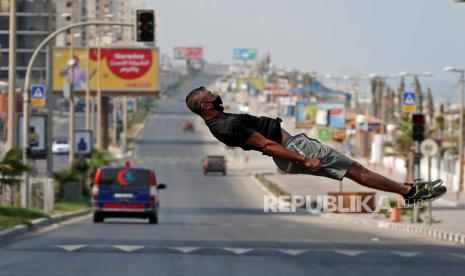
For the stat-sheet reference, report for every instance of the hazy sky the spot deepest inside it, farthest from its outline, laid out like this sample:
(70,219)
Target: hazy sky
(327,36)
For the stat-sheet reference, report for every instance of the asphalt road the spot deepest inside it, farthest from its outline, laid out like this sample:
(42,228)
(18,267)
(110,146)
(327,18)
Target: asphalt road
(212,225)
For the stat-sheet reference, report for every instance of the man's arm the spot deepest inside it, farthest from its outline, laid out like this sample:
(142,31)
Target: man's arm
(274,149)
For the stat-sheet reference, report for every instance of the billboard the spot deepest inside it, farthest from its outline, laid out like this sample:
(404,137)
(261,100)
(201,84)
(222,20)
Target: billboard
(188,53)
(245,53)
(83,143)
(37,135)
(122,69)
(309,114)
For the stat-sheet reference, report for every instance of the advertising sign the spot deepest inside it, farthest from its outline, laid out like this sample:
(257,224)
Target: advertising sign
(37,135)
(188,53)
(83,143)
(307,113)
(38,95)
(324,134)
(245,53)
(322,117)
(122,70)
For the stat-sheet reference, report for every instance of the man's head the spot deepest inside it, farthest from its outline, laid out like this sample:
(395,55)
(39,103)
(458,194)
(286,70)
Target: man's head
(201,101)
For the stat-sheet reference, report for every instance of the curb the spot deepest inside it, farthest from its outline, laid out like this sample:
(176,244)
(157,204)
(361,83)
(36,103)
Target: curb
(426,231)
(19,230)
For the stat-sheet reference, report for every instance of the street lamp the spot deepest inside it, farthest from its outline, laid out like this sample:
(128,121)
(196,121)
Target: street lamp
(462,92)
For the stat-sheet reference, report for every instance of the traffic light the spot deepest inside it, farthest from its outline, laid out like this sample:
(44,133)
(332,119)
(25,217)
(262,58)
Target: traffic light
(145,26)
(418,132)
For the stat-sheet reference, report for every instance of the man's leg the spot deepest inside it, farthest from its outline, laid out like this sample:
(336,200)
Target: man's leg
(365,177)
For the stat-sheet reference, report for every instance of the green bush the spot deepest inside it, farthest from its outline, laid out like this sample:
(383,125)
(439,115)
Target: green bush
(62,177)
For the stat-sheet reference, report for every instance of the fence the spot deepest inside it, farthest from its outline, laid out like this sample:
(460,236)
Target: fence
(42,194)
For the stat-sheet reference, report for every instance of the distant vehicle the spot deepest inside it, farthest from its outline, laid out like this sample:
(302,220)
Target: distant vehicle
(60,146)
(214,163)
(188,126)
(125,192)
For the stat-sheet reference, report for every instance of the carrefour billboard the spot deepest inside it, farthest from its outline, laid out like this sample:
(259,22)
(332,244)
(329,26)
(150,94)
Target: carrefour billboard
(309,114)
(122,69)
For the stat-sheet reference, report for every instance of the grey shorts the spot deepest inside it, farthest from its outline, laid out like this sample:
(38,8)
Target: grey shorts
(333,163)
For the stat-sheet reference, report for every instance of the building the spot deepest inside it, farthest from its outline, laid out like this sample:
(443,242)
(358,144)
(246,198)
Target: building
(33,25)
(103,10)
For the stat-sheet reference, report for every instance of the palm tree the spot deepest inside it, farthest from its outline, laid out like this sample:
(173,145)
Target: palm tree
(11,166)
(402,144)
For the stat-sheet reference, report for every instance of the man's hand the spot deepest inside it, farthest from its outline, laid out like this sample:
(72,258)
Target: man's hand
(312,164)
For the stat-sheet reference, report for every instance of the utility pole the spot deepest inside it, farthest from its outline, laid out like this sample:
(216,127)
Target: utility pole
(114,134)
(11,137)
(72,68)
(49,98)
(125,120)
(87,109)
(99,97)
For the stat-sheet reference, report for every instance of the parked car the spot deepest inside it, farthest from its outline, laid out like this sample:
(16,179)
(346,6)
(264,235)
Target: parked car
(60,146)
(125,192)
(214,163)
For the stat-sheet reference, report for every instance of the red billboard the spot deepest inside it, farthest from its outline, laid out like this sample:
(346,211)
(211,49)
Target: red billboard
(188,53)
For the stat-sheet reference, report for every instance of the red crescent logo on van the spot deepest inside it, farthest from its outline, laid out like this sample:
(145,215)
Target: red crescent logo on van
(120,177)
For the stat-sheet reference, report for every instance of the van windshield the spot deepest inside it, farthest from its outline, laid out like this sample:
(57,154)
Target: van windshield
(125,177)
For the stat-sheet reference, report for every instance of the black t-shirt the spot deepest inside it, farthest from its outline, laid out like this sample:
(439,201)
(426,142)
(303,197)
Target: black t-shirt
(235,129)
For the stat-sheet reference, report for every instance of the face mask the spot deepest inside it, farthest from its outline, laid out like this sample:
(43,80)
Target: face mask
(218,104)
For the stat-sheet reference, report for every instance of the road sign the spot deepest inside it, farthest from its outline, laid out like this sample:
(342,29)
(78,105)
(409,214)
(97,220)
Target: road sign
(409,102)
(38,95)
(429,148)
(245,53)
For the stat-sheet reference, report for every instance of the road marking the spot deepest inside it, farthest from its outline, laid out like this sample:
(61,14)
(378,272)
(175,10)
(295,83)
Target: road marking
(461,256)
(238,251)
(375,239)
(128,248)
(293,252)
(186,249)
(289,226)
(257,224)
(405,254)
(349,252)
(71,248)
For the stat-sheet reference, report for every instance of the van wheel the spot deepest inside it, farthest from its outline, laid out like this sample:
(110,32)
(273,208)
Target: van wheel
(98,218)
(224,172)
(153,219)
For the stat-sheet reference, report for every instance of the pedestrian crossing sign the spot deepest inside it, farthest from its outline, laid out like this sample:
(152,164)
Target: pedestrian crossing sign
(38,95)
(409,102)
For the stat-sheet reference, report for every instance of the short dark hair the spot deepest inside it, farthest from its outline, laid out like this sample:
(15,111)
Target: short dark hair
(194,99)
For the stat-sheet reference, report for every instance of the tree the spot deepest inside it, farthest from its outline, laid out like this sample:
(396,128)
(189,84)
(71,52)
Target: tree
(402,144)
(12,166)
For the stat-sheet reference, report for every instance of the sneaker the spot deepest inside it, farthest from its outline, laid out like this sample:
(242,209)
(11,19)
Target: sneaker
(421,181)
(425,191)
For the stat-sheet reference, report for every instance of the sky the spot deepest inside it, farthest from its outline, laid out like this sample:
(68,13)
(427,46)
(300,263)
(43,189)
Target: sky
(334,37)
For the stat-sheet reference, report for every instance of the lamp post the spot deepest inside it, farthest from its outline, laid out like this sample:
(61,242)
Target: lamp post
(11,133)
(461,72)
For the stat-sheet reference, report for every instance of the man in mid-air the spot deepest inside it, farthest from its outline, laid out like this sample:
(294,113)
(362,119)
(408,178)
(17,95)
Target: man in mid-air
(297,154)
